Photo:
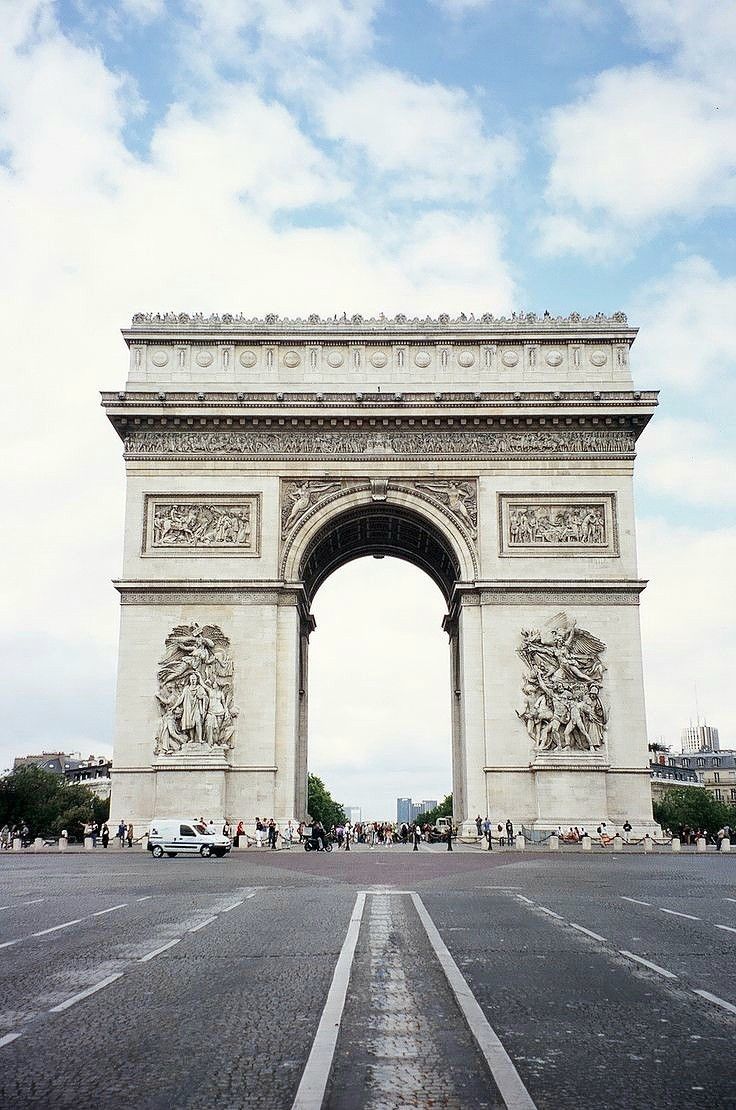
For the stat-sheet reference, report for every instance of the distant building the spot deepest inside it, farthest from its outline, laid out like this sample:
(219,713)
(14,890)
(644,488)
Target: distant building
(422,807)
(92,773)
(404,811)
(699,738)
(716,771)
(353,814)
(664,777)
(47,761)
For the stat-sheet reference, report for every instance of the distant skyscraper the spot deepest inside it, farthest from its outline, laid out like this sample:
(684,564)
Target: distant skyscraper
(404,810)
(353,814)
(700,738)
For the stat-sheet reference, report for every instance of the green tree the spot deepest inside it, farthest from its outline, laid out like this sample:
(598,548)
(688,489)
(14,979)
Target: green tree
(444,809)
(45,801)
(321,805)
(693,806)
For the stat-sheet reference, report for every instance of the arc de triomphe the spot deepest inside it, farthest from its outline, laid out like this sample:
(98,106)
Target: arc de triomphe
(495,454)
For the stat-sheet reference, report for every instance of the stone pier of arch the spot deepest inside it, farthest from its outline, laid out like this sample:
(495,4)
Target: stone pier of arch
(496,455)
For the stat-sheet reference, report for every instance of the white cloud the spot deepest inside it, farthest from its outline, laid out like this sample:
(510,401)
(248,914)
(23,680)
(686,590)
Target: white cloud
(700,33)
(430,139)
(560,234)
(642,144)
(457,8)
(687,460)
(144,11)
(688,617)
(686,319)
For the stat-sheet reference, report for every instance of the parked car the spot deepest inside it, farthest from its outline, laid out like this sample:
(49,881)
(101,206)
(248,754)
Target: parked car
(182,836)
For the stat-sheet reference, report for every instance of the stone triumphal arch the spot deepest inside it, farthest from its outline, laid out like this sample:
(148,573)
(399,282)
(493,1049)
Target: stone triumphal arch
(495,454)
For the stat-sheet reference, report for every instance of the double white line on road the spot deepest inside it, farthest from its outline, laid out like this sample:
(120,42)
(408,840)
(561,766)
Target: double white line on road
(313,1085)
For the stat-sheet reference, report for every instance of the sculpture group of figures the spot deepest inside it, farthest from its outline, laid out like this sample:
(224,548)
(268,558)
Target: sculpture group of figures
(195,691)
(201,525)
(532,524)
(563,710)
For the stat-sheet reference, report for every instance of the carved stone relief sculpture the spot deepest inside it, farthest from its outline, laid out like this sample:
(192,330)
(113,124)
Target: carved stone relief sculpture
(461,498)
(201,524)
(195,692)
(557,524)
(563,709)
(299,497)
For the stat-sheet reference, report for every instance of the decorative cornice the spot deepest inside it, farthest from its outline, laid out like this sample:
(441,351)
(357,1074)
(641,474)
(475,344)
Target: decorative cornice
(137,592)
(167,320)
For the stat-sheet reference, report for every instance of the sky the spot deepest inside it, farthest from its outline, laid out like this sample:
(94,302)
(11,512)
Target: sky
(299,156)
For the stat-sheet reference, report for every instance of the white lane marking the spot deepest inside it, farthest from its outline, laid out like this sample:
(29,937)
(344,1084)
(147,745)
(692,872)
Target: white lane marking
(636,901)
(588,932)
(85,994)
(158,951)
(8,943)
(731,899)
(15,905)
(507,1078)
(8,1038)
(101,913)
(144,898)
(207,921)
(313,1083)
(647,963)
(523,899)
(55,928)
(718,1001)
(233,907)
(728,928)
(551,913)
(676,913)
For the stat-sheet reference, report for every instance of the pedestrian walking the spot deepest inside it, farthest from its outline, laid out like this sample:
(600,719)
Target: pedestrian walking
(626,830)
(122,827)
(488,833)
(479,825)
(272,833)
(260,832)
(509,833)
(105,834)
(416,837)
(449,837)
(129,836)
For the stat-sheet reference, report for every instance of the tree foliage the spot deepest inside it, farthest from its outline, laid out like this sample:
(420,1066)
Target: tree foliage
(321,805)
(692,806)
(444,809)
(47,803)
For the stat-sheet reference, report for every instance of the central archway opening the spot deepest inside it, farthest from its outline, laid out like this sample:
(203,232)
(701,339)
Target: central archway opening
(379,715)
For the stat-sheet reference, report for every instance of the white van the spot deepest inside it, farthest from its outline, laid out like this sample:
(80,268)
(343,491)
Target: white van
(183,836)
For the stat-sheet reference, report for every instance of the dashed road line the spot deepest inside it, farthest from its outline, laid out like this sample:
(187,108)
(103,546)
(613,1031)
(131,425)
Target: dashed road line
(86,993)
(313,1084)
(648,963)
(528,901)
(110,909)
(56,928)
(717,1001)
(226,909)
(551,913)
(726,928)
(145,898)
(588,932)
(8,943)
(505,1075)
(202,924)
(158,951)
(16,905)
(8,1038)
(677,913)
(636,901)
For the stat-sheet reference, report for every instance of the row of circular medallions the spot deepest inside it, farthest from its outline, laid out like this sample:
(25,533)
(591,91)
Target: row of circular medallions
(510,357)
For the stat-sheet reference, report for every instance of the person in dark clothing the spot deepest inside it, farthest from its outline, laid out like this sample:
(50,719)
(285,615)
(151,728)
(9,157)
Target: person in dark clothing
(272,833)
(449,838)
(479,825)
(416,837)
(509,832)
(105,836)
(319,834)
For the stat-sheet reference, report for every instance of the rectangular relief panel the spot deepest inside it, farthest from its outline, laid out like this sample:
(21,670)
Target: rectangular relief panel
(177,525)
(557,525)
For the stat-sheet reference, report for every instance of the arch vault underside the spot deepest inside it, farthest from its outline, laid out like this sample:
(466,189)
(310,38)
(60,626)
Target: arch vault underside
(497,456)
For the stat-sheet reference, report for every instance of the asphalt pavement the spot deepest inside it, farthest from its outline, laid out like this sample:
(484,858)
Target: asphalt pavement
(372,979)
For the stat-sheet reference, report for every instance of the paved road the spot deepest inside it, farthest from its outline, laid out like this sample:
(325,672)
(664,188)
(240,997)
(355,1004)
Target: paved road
(382,979)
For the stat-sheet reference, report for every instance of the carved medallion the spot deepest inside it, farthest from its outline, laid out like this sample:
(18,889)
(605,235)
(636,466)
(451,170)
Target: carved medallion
(195,693)
(422,359)
(599,358)
(159,358)
(465,359)
(292,359)
(379,359)
(204,358)
(248,358)
(335,359)
(563,710)
(553,357)
(510,358)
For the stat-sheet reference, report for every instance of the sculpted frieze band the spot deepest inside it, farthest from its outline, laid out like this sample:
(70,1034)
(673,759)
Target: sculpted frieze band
(381,444)
(563,709)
